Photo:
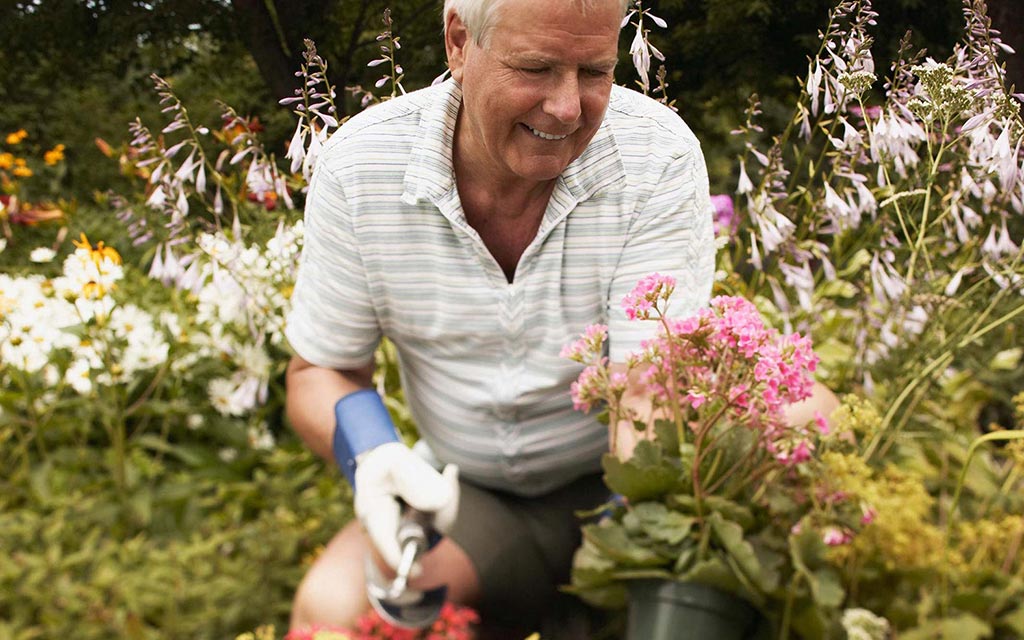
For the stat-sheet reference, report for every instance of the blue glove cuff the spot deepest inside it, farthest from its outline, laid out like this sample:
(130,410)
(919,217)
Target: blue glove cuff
(361,423)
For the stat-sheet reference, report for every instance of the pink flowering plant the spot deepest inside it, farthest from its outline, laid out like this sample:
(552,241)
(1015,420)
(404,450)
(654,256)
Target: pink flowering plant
(720,488)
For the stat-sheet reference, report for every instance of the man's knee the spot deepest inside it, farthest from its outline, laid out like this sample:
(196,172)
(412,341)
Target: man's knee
(333,591)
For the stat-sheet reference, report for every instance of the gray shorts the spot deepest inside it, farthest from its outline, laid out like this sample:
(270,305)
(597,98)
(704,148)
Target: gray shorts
(522,547)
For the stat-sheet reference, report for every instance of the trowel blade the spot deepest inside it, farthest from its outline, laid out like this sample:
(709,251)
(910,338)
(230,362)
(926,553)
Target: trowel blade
(410,609)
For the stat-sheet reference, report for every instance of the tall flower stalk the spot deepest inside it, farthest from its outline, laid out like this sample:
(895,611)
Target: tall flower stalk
(891,225)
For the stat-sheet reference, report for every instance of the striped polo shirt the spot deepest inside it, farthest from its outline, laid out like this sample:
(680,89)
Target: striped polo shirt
(388,252)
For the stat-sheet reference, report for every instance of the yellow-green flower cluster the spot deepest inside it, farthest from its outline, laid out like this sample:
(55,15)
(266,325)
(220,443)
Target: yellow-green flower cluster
(900,532)
(991,544)
(855,420)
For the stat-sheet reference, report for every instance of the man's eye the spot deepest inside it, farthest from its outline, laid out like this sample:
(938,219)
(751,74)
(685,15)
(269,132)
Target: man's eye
(533,70)
(595,73)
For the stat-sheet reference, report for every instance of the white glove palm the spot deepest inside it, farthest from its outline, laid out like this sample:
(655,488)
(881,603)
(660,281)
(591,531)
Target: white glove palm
(393,471)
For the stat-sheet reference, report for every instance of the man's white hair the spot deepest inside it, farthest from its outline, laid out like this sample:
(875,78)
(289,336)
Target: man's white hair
(479,16)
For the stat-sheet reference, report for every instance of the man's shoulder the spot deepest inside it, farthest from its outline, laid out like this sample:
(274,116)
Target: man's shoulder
(641,121)
(393,126)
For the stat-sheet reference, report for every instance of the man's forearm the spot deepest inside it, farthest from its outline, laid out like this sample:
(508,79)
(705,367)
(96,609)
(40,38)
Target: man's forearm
(637,402)
(312,393)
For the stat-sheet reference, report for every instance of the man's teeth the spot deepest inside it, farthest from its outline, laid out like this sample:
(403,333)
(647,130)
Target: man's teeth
(545,136)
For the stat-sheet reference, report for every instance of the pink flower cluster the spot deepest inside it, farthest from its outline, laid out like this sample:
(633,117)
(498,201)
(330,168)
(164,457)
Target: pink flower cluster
(722,364)
(453,623)
(643,299)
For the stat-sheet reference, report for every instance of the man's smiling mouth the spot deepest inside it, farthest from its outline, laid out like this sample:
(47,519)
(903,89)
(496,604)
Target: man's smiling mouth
(545,136)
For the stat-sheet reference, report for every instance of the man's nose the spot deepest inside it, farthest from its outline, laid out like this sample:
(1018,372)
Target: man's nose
(564,100)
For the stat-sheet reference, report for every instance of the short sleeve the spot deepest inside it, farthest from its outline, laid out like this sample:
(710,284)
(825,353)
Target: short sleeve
(672,235)
(332,322)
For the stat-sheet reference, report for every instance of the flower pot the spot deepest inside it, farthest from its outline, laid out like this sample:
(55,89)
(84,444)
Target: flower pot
(666,609)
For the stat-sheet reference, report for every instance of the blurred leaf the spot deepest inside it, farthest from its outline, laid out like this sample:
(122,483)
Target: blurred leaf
(647,474)
(613,541)
(962,627)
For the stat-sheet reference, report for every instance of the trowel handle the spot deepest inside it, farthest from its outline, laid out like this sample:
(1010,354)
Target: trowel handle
(417,526)
(413,538)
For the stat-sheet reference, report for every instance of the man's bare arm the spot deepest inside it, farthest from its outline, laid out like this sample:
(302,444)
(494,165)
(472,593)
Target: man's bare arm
(623,440)
(312,393)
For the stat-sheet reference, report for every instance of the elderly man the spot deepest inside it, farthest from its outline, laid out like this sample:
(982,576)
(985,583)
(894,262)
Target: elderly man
(480,225)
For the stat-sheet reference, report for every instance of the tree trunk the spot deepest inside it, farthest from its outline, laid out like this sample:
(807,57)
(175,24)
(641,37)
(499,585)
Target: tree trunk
(273,33)
(1008,17)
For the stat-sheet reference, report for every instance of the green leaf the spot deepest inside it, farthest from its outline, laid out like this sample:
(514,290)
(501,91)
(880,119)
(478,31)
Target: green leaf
(666,435)
(713,572)
(962,627)
(646,475)
(656,521)
(1015,621)
(731,511)
(808,553)
(836,289)
(730,536)
(613,541)
(1007,360)
(685,560)
(192,458)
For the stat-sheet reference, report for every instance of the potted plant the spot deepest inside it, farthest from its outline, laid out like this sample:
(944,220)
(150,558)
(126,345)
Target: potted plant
(717,512)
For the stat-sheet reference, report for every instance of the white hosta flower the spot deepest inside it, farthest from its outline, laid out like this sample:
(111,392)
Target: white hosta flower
(887,284)
(801,280)
(897,138)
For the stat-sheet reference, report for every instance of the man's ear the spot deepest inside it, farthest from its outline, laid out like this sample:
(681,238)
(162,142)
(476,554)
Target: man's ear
(456,39)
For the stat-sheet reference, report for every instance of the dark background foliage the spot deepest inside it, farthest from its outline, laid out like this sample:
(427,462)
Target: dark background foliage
(72,70)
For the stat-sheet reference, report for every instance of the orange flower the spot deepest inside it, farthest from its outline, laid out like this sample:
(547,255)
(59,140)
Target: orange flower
(16,137)
(54,155)
(99,252)
(23,172)
(104,147)
(32,215)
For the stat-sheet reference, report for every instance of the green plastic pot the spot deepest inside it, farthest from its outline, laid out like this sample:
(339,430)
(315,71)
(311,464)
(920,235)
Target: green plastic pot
(666,609)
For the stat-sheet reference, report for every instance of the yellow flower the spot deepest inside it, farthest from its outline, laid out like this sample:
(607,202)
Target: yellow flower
(23,172)
(6,160)
(16,137)
(54,155)
(98,253)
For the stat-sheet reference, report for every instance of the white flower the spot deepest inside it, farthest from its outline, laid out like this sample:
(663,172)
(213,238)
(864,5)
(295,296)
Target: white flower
(79,376)
(194,421)
(87,277)
(27,341)
(253,360)
(99,309)
(261,438)
(222,397)
(42,255)
(861,624)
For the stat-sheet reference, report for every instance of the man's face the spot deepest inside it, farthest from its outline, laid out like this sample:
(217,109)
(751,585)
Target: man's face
(536,94)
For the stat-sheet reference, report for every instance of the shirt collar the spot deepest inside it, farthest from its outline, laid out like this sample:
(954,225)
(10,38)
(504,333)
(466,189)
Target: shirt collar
(430,174)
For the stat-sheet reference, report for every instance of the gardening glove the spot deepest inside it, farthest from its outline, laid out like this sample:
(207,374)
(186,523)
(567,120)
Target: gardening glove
(392,475)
